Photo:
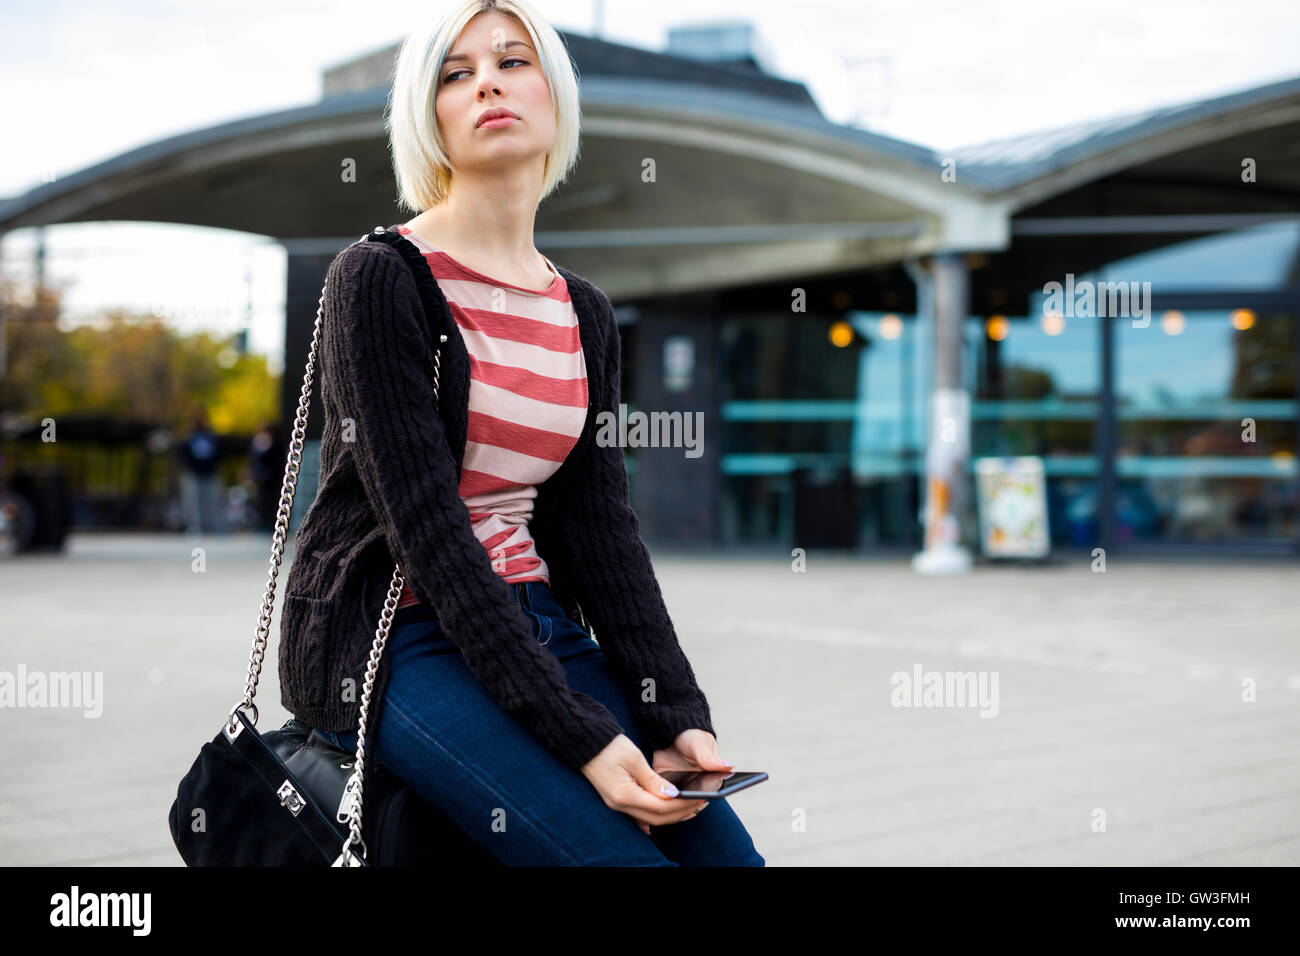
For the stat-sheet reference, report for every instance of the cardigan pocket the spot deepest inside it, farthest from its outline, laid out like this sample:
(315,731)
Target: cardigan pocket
(307,625)
(326,557)
(339,565)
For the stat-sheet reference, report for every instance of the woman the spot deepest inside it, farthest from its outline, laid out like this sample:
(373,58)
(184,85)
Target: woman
(508,519)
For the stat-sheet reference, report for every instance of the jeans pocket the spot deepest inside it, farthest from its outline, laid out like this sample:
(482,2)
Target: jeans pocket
(542,630)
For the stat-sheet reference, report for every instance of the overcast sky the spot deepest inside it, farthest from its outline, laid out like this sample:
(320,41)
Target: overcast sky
(83,82)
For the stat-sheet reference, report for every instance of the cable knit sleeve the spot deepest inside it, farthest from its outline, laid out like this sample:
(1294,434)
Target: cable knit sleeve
(615,581)
(376,354)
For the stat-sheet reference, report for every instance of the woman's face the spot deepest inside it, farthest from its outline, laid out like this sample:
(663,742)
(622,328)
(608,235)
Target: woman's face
(493,64)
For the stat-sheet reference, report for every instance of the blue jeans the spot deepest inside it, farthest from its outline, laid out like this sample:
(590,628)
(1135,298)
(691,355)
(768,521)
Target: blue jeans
(441,733)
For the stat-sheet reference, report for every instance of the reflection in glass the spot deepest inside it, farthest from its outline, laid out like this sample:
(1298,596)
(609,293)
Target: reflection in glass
(1207,426)
(1034,383)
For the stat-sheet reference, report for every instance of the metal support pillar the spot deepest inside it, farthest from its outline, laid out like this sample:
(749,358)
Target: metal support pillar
(948,446)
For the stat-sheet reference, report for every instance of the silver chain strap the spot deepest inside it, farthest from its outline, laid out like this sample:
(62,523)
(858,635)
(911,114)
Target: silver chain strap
(353,787)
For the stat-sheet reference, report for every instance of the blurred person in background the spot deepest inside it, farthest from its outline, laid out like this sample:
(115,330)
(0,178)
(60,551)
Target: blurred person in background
(266,464)
(200,491)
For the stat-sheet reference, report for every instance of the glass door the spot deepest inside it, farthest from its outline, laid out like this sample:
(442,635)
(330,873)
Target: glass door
(1034,382)
(1206,418)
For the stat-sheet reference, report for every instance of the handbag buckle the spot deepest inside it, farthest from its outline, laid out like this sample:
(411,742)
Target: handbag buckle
(290,798)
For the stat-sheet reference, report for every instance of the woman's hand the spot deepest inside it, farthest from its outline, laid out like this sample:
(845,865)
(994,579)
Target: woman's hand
(626,783)
(694,749)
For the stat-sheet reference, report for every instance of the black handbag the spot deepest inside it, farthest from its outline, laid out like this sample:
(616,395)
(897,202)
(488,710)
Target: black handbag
(289,797)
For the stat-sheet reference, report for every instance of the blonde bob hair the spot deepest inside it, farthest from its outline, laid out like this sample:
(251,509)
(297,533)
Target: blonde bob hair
(420,160)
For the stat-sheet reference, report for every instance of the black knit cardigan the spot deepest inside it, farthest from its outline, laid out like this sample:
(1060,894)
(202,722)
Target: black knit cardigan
(388,492)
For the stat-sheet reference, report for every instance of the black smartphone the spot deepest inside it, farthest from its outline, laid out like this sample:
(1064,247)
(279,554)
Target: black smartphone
(710,784)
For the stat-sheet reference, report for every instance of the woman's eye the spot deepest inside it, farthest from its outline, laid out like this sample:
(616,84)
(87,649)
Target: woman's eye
(455,73)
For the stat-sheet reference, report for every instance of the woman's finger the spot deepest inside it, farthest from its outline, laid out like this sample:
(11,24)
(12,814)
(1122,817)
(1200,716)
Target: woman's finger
(652,809)
(682,810)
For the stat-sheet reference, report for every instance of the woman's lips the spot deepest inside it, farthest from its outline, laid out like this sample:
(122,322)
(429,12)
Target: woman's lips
(499,121)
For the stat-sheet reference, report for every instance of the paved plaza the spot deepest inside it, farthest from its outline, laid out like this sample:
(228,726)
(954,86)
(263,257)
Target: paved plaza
(1145,715)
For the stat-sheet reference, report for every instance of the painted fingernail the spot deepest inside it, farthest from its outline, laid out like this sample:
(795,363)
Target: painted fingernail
(668,789)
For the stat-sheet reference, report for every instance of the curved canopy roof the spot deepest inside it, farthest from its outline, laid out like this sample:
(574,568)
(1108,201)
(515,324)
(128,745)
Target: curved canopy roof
(751,181)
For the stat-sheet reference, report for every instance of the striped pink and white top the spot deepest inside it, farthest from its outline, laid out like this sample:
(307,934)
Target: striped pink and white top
(527,402)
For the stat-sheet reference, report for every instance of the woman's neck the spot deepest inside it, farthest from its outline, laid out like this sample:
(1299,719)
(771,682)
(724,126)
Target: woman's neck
(445,230)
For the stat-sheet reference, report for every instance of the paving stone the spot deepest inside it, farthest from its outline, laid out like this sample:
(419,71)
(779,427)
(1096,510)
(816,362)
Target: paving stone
(1121,691)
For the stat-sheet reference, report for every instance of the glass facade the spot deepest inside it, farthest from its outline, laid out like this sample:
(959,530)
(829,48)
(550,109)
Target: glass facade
(1206,394)
(1206,414)
(1204,398)
(1035,390)
(820,417)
